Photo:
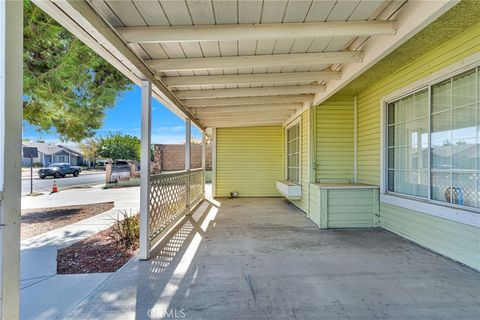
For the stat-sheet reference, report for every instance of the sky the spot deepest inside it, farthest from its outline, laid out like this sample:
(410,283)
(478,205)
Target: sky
(124,117)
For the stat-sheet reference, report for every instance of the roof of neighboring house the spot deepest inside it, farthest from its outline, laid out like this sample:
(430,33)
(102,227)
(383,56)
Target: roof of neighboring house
(46,148)
(49,148)
(70,149)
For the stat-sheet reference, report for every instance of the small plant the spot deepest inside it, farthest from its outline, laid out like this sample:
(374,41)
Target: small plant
(126,231)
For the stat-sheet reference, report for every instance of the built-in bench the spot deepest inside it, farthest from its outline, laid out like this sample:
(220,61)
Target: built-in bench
(344,205)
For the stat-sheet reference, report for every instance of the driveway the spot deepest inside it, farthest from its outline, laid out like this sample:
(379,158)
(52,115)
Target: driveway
(45,185)
(262,259)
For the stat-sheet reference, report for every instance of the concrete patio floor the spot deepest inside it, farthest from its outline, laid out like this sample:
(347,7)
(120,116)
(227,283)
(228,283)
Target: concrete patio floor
(262,259)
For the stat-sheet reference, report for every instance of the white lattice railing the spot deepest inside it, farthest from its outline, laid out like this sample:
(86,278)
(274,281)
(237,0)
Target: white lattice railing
(168,197)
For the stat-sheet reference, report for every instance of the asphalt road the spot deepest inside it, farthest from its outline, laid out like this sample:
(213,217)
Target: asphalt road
(46,184)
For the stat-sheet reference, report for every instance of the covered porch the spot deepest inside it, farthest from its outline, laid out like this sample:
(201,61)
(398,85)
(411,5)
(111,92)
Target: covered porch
(256,258)
(294,96)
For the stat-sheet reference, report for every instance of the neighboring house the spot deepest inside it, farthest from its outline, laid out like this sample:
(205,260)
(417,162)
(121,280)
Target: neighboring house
(49,153)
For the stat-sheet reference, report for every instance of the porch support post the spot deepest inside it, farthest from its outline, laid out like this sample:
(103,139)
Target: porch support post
(204,160)
(11,100)
(145,170)
(188,138)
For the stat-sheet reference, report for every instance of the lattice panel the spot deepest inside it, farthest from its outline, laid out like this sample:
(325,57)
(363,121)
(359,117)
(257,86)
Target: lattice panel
(168,199)
(196,186)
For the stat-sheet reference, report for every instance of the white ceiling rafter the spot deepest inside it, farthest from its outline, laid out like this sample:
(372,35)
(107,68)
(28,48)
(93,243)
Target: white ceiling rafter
(226,32)
(305,77)
(249,92)
(193,103)
(246,108)
(254,61)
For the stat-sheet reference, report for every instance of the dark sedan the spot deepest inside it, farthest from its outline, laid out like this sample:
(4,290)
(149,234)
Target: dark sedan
(58,170)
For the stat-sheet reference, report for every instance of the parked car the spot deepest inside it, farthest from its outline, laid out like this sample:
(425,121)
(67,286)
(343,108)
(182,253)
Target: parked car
(59,170)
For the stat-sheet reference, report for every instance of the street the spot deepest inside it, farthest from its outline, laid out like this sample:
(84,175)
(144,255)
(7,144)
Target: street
(69,181)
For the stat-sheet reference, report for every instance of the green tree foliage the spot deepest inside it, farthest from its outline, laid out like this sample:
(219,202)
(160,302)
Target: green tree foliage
(117,146)
(67,86)
(90,148)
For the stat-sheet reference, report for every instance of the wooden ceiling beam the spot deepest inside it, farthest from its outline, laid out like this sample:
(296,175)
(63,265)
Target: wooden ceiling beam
(256,78)
(255,61)
(247,100)
(248,92)
(228,32)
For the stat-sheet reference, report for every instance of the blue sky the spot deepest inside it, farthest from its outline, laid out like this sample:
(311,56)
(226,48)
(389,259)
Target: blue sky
(124,117)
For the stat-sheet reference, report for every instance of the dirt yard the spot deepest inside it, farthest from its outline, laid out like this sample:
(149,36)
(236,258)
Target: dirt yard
(38,221)
(97,253)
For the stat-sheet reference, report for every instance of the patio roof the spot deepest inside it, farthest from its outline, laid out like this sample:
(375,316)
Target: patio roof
(240,63)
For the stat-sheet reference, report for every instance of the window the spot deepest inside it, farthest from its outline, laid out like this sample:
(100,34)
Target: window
(293,153)
(432,142)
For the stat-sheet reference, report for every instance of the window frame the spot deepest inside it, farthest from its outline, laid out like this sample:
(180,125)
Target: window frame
(459,213)
(291,125)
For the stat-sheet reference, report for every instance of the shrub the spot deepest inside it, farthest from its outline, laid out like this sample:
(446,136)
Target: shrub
(126,231)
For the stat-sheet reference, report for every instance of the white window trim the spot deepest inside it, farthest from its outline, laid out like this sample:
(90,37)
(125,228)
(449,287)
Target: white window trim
(292,124)
(463,215)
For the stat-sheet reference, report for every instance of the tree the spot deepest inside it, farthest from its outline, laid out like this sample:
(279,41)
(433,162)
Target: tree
(90,149)
(117,146)
(67,86)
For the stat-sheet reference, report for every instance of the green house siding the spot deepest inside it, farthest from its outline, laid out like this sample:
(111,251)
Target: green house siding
(302,203)
(454,50)
(249,160)
(458,241)
(334,140)
(452,239)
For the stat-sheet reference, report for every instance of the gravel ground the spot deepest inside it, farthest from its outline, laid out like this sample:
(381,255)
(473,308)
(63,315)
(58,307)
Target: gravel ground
(97,253)
(38,221)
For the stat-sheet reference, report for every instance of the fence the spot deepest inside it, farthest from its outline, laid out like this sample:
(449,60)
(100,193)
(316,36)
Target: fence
(172,195)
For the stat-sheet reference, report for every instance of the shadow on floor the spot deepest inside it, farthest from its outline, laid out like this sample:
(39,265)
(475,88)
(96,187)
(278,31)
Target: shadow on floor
(262,259)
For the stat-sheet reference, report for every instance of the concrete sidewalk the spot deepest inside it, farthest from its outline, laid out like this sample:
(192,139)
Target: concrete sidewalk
(38,262)
(123,197)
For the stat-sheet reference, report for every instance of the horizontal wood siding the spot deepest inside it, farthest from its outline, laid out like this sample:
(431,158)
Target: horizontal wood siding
(454,50)
(351,208)
(452,239)
(334,140)
(249,161)
(304,158)
(455,240)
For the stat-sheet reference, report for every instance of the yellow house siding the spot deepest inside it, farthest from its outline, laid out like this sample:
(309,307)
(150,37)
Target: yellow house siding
(334,140)
(455,240)
(463,45)
(249,161)
(458,241)
(304,158)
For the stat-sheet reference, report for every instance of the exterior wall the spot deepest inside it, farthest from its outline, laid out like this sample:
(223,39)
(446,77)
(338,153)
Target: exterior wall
(334,140)
(450,52)
(455,240)
(249,160)
(171,157)
(458,241)
(302,204)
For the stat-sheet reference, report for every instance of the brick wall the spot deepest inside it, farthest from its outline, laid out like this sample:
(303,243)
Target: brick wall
(171,157)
